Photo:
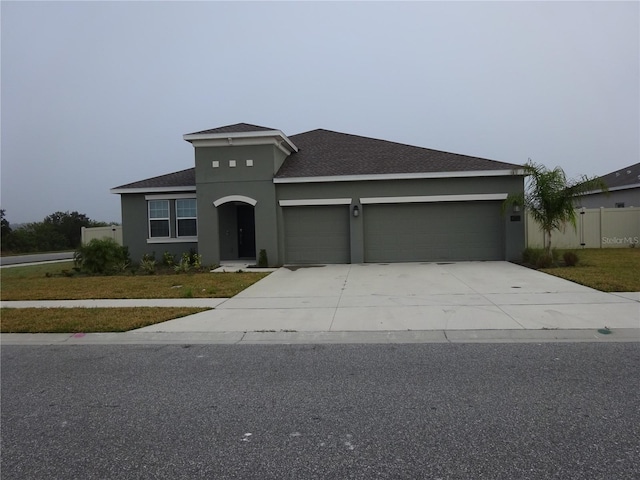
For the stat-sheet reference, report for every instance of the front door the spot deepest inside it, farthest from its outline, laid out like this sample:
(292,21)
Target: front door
(246,231)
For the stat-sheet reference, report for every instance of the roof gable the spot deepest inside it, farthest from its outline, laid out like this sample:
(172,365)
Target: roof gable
(325,153)
(236,128)
(241,134)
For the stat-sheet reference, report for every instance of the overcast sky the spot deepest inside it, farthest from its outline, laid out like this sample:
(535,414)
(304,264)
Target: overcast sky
(96,95)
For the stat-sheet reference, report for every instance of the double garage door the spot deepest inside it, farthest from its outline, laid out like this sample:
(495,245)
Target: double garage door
(428,232)
(406,232)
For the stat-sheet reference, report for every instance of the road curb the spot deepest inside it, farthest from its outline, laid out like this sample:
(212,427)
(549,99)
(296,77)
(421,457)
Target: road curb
(291,338)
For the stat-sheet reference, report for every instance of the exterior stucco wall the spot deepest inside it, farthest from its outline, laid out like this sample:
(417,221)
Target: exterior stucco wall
(135,232)
(134,224)
(630,197)
(255,182)
(391,188)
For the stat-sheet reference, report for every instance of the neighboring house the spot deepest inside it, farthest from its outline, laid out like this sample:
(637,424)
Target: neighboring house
(324,197)
(624,190)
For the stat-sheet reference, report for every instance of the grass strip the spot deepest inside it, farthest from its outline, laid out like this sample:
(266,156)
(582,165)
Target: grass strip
(87,320)
(32,283)
(606,269)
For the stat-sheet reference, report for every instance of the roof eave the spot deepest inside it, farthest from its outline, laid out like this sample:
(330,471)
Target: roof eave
(229,137)
(612,189)
(398,176)
(122,190)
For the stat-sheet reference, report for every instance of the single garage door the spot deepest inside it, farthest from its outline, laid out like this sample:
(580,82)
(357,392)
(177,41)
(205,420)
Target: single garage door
(447,231)
(318,234)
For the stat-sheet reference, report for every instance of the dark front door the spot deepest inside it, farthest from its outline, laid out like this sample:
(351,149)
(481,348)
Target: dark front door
(246,232)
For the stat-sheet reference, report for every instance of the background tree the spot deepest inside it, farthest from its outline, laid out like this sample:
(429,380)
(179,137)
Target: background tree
(69,226)
(58,231)
(34,237)
(6,228)
(550,197)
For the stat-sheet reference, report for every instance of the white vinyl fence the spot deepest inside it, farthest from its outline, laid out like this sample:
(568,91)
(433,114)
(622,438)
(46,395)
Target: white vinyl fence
(112,231)
(596,228)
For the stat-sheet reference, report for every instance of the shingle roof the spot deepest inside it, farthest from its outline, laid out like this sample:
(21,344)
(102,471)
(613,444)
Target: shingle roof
(237,128)
(183,178)
(621,178)
(327,153)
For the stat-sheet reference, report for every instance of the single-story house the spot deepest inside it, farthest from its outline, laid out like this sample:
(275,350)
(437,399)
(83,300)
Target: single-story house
(624,190)
(324,197)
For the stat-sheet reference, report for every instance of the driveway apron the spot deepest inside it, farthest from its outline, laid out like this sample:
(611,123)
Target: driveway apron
(412,296)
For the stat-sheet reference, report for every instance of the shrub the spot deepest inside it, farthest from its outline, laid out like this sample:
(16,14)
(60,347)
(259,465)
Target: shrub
(530,255)
(148,263)
(196,261)
(121,267)
(539,256)
(570,259)
(101,256)
(262,259)
(168,259)
(544,261)
(185,264)
(188,260)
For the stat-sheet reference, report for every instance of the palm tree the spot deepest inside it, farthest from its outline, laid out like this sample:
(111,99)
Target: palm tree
(549,196)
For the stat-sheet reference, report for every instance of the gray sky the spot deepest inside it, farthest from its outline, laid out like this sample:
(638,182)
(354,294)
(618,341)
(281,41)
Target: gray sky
(96,95)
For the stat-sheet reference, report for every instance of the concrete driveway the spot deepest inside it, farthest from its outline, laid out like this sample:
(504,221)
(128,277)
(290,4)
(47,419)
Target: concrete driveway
(412,296)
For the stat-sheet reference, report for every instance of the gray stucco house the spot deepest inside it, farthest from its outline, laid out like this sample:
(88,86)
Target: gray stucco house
(624,190)
(324,197)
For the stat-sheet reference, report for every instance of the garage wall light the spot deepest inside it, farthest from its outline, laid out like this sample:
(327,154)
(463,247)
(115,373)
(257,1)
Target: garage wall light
(356,211)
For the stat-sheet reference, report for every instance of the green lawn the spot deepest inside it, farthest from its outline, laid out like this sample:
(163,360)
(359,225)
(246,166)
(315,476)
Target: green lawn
(49,282)
(605,269)
(86,320)
(58,281)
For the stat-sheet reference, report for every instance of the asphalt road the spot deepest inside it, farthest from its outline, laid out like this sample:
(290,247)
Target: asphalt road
(35,258)
(438,411)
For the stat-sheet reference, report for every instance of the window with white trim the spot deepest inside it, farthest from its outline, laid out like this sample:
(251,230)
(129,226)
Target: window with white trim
(159,219)
(186,217)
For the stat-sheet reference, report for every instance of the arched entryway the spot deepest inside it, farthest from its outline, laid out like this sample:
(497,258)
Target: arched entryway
(237,227)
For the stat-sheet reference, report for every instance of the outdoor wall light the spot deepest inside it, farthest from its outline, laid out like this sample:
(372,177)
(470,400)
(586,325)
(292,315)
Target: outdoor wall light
(356,211)
(516,208)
